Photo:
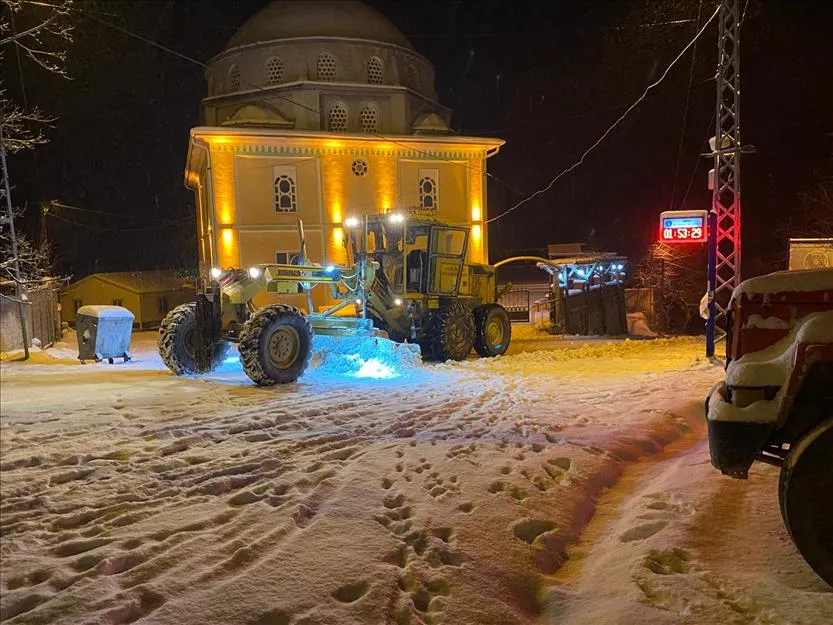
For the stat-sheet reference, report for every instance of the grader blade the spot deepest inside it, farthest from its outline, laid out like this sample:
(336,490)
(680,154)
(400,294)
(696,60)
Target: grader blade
(349,343)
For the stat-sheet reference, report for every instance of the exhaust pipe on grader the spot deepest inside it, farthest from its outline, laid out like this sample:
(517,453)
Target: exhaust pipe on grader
(409,282)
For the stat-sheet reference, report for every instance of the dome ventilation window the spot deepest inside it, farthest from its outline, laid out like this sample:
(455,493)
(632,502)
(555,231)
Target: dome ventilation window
(375,71)
(369,118)
(326,67)
(274,71)
(337,118)
(234,78)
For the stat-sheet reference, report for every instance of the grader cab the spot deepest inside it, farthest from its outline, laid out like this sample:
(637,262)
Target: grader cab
(408,282)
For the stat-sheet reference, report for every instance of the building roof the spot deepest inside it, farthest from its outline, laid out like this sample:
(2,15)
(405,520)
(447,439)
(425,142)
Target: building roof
(154,281)
(344,139)
(317,18)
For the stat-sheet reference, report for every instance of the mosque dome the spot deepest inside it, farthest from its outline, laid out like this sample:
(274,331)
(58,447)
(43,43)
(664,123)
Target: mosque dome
(340,19)
(331,65)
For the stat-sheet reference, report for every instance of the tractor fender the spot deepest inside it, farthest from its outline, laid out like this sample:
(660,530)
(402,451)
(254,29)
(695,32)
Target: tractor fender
(804,442)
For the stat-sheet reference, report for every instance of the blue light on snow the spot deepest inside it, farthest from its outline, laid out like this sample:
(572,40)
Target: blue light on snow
(374,368)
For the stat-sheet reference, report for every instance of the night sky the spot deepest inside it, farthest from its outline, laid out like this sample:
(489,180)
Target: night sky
(548,77)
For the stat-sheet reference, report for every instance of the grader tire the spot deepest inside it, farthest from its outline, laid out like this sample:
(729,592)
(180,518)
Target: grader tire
(177,341)
(804,492)
(275,345)
(493,330)
(450,334)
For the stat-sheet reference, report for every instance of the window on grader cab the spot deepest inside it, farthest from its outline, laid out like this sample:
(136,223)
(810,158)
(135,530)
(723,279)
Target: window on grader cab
(416,259)
(383,244)
(448,251)
(449,242)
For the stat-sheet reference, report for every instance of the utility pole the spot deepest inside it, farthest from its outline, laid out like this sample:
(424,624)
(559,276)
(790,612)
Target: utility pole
(9,221)
(725,252)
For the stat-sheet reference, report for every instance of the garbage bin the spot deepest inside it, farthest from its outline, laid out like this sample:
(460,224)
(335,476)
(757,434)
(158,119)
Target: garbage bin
(103,332)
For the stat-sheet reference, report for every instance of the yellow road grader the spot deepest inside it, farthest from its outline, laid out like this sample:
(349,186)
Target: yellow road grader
(408,282)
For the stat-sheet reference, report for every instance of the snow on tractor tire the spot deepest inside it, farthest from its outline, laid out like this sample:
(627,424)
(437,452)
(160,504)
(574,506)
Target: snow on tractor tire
(776,402)
(177,341)
(450,333)
(275,345)
(493,330)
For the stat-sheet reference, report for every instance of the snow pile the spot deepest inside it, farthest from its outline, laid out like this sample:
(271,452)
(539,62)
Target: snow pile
(638,325)
(786,281)
(769,367)
(364,357)
(817,328)
(767,323)
(105,312)
(527,331)
(762,411)
(602,357)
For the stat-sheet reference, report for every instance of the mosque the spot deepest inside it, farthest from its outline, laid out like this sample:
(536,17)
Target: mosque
(321,110)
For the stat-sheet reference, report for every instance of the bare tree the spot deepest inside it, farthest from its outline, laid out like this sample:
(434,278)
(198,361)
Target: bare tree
(678,276)
(815,219)
(22,129)
(34,260)
(40,31)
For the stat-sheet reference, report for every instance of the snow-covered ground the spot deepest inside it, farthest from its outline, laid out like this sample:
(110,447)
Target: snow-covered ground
(453,493)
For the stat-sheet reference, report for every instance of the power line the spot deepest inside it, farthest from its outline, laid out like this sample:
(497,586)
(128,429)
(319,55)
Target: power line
(610,129)
(103,229)
(108,214)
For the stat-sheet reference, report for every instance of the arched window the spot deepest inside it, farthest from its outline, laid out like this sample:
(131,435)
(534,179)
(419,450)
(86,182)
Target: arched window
(369,118)
(326,66)
(337,118)
(375,71)
(413,77)
(274,71)
(428,189)
(234,78)
(285,196)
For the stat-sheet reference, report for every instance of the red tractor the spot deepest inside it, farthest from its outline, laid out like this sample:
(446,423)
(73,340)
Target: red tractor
(776,403)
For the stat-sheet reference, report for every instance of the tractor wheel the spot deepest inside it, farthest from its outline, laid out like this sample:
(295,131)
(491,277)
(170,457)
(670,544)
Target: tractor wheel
(493,330)
(275,345)
(178,341)
(804,493)
(450,334)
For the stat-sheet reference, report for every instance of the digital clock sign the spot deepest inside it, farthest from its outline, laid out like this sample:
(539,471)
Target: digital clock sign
(683,227)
